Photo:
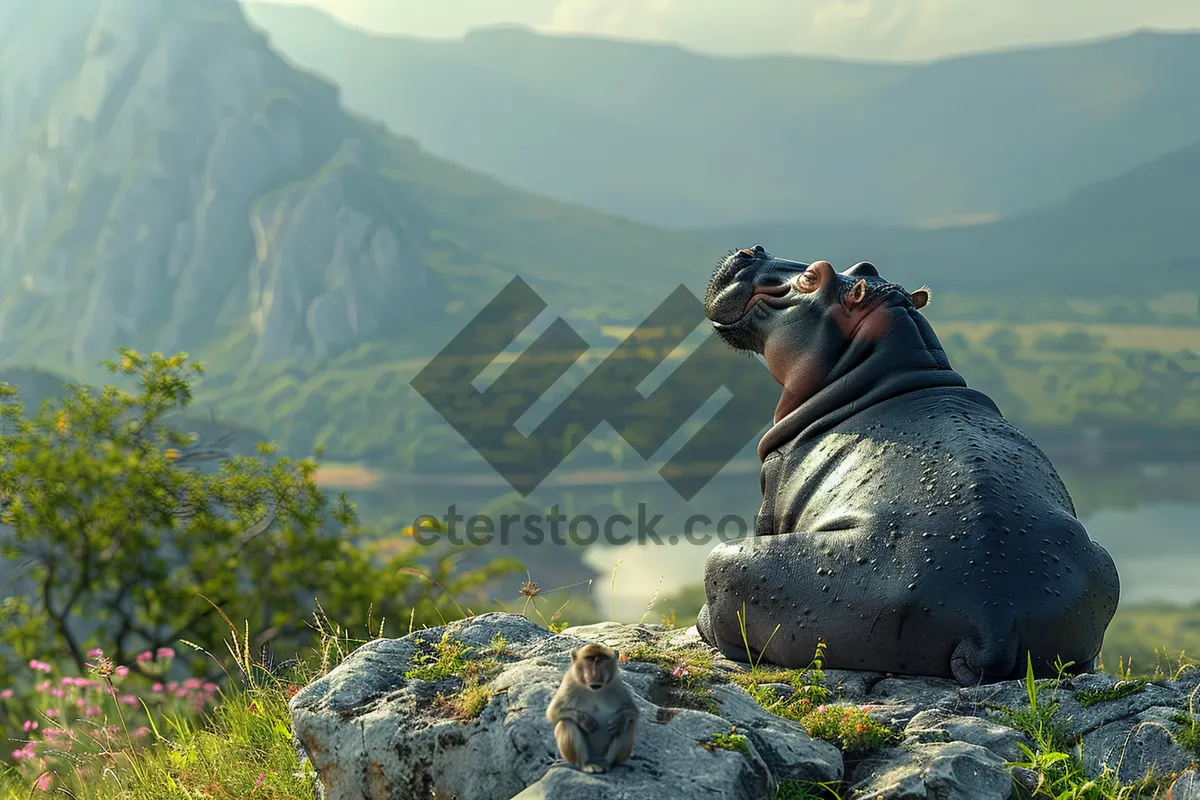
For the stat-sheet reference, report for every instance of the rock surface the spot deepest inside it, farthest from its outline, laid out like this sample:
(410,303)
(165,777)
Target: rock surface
(371,732)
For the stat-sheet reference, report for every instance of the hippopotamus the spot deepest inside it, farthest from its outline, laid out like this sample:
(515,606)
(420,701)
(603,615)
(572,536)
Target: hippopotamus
(904,521)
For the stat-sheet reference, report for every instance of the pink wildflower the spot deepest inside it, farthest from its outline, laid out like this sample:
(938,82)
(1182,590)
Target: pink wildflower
(820,709)
(129,700)
(165,652)
(42,784)
(138,733)
(121,672)
(52,713)
(262,776)
(95,652)
(59,693)
(157,688)
(29,725)
(91,711)
(142,658)
(6,694)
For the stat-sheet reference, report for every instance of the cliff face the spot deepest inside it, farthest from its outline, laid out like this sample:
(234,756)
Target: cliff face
(165,179)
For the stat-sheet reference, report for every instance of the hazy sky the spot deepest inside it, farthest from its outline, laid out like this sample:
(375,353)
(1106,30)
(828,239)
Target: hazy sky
(890,29)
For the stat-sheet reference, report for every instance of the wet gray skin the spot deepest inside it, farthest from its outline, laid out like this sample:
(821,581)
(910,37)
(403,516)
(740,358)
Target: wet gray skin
(905,523)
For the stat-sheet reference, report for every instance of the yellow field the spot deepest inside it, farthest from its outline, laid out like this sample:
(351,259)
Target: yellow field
(347,476)
(1139,337)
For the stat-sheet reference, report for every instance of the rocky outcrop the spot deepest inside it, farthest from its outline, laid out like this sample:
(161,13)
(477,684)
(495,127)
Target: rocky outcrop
(391,722)
(166,179)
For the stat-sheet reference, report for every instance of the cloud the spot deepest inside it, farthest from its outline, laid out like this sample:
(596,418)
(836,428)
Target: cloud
(886,29)
(626,18)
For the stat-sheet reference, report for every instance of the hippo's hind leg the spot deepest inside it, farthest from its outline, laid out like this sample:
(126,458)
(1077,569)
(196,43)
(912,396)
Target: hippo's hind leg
(746,608)
(734,651)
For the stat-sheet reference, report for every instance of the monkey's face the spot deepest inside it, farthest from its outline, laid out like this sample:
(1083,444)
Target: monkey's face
(594,665)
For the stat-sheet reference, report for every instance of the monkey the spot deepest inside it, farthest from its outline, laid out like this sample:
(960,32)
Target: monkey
(593,712)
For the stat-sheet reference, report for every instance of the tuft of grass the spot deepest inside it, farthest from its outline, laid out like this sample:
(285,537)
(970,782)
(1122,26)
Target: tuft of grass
(465,705)
(449,659)
(1062,776)
(1188,735)
(806,790)
(1122,689)
(699,663)
(849,728)
(732,741)
(1056,759)
(1038,720)
(688,669)
(241,749)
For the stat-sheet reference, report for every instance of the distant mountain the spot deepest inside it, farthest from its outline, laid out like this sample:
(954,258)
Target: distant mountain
(678,138)
(1132,235)
(168,181)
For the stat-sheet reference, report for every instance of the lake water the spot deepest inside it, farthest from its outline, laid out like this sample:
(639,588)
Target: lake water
(1148,517)
(1156,548)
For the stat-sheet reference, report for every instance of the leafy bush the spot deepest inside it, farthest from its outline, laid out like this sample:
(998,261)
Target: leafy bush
(129,537)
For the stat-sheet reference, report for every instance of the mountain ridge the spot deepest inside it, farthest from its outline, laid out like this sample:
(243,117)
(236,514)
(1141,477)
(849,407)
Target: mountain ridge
(682,139)
(521,28)
(244,204)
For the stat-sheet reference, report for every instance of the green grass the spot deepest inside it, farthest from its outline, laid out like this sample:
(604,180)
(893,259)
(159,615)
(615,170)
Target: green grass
(733,742)
(807,790)
(241,750)
(1123,689)
(450,659)
(1152,637)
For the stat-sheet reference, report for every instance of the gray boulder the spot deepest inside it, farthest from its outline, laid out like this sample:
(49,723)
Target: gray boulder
(949,771)
(1186,787)
(935,725)
(371,732)
(1138,747)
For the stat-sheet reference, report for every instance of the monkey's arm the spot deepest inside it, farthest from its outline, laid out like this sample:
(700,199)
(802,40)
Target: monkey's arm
(627,713)
(559,711)
(623,719)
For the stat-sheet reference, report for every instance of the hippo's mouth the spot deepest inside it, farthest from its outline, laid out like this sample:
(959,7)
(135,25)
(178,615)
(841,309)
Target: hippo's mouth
(769,296)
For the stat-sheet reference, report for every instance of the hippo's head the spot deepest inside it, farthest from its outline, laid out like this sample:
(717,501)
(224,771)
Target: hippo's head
(801,317)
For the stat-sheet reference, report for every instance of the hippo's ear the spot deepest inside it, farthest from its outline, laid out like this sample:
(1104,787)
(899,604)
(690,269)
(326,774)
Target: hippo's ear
(862,268)
(857,293)
(920,298)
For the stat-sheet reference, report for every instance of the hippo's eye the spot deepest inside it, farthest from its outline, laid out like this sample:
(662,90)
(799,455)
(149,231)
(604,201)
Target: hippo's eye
(807,282)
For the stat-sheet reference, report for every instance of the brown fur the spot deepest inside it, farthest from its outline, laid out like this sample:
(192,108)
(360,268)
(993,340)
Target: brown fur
(594,728)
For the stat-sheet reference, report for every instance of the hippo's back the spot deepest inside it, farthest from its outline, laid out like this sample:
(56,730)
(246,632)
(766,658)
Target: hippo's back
(948,512)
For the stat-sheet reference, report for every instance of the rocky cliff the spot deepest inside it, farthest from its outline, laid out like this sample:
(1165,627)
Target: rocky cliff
(168,181)
(458,712)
